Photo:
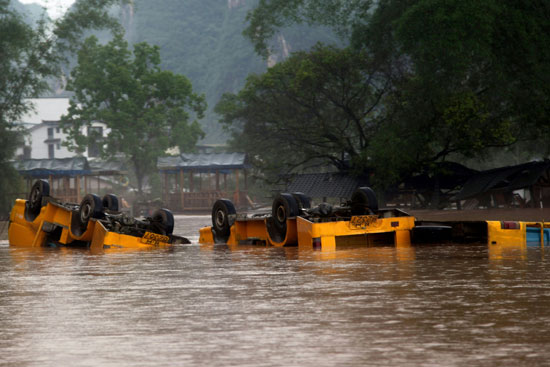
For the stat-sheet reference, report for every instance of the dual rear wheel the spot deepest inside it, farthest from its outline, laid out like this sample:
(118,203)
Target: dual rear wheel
(39,190)
(92,206)
(364,201)
(162,220)
(286,206)
(223,213)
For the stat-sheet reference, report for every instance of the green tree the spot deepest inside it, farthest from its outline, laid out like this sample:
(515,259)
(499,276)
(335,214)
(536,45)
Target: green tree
(464,91)
(497,50)
(146,110)
(468,75)
(31,56)
(316,107)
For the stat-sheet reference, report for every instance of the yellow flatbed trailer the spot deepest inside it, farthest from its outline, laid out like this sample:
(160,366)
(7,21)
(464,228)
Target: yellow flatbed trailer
(490,232)
(358,222)
(293,222)
(97,224)
(324,236)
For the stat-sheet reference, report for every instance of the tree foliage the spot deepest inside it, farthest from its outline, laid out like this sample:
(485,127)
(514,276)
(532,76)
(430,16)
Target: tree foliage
(464,91)
(146,110)
(32,55)
(318,106)
(466,75)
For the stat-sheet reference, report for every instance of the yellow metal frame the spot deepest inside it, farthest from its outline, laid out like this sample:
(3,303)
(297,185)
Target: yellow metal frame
(496,235)
(25,233)
(330,233)
(329,236)
(511,243)
(251,230)
(302,232)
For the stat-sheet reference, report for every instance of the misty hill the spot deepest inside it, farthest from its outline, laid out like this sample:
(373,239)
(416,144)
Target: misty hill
(30,12)
(202,39)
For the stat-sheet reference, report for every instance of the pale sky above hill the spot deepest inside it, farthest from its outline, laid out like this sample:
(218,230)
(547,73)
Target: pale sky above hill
(55,8)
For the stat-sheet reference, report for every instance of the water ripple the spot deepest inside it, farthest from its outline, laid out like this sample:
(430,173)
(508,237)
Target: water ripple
(255,306)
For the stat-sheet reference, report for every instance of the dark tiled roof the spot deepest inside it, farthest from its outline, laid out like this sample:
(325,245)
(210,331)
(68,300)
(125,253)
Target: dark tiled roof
(330,185)
(108,167)
(57,167)
(451,176)
(505,178)
(203,162)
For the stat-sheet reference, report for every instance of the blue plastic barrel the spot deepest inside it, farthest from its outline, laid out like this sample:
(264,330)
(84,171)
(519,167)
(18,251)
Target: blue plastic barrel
(533,236)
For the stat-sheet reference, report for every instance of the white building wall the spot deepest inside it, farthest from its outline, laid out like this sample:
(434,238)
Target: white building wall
(47,113)
(39,141)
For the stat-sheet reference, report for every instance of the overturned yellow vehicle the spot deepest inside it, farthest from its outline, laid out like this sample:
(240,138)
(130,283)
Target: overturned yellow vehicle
(95,223)
(292,221)
(358,222)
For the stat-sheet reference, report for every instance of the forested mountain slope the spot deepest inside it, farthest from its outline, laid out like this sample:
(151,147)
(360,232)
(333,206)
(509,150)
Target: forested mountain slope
(202,39)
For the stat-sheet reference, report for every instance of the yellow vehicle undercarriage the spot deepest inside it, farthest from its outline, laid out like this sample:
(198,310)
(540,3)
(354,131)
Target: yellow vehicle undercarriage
(95,223)
(358,222)
(292,221)
(98,224)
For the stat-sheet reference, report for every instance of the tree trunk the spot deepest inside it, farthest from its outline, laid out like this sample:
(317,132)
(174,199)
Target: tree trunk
(138,170)
(435,194)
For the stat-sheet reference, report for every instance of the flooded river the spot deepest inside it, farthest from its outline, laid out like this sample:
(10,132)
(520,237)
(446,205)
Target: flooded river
(254,306)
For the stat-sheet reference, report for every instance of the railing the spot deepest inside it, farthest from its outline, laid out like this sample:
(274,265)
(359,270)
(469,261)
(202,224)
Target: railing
(201,201)
(192,201)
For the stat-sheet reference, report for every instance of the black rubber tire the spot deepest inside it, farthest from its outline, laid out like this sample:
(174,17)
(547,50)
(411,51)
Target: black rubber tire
(221,210)
(284,207)
(163,221)
(110,202)
(364,201)
(39,190)
(90,207)
(304,201)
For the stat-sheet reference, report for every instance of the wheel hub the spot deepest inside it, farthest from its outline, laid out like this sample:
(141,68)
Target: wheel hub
(281,214)
(35,195)
(85,212)
(220,218)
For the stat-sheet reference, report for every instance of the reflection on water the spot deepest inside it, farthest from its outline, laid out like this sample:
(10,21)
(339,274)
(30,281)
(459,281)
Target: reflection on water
(255,306)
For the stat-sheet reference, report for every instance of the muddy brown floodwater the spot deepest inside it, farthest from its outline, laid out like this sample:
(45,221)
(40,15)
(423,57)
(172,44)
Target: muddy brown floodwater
(198,305)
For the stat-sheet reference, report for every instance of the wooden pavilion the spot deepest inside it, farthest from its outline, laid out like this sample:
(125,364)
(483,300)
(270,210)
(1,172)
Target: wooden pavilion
(70,178)
(193,182)
(105,174)
(64,175)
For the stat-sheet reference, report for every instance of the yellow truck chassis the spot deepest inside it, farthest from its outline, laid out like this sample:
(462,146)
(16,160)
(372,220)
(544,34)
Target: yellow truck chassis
(357,222)
(292,222)
(42,220)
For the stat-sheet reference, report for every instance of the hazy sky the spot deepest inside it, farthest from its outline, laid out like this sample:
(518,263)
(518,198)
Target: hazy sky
(55,7)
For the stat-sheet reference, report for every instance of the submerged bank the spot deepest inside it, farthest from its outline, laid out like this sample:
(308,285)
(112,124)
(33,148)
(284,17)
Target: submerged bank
(519,214)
